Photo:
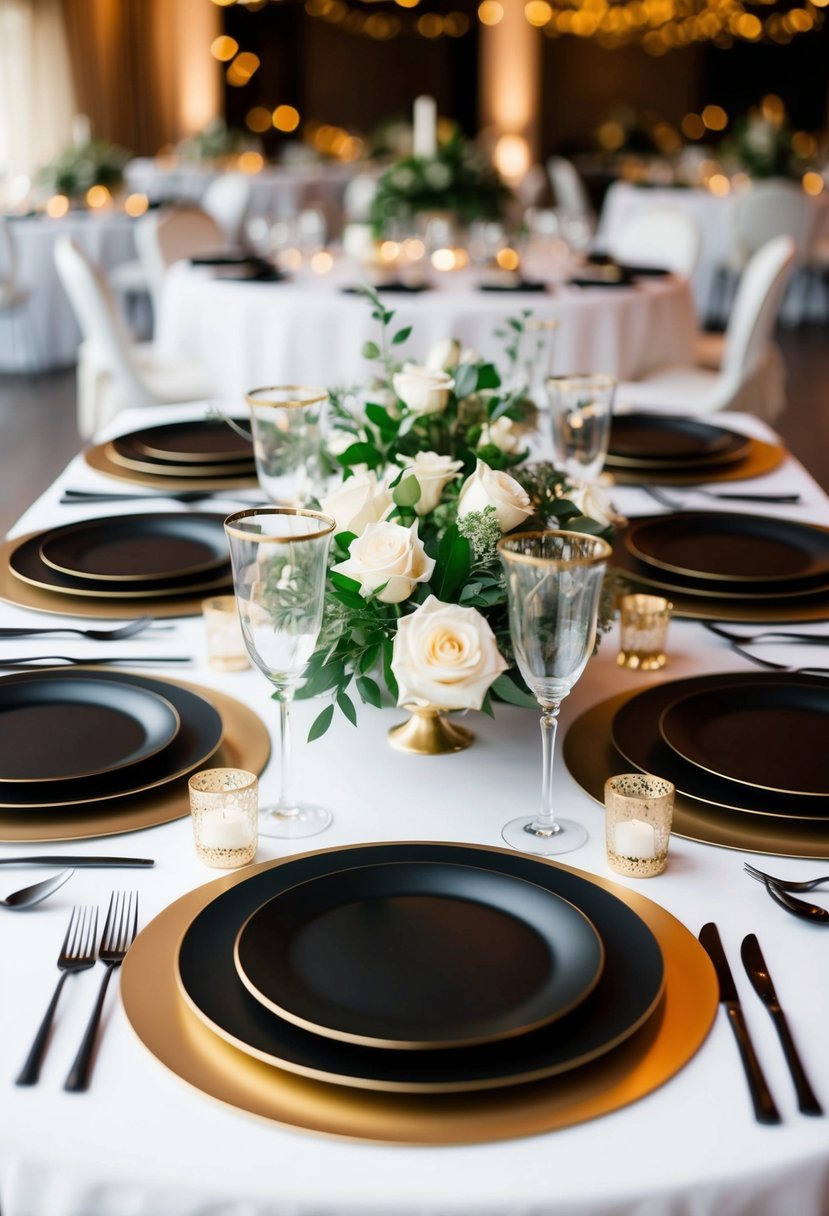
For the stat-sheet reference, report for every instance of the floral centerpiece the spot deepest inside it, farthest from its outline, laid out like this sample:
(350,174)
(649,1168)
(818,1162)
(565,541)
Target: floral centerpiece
(215,142)
(79,167)
(434,472)
(762,147)
(457,180)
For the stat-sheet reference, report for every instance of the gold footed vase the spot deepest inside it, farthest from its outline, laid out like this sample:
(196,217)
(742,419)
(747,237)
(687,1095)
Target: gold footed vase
(429,733)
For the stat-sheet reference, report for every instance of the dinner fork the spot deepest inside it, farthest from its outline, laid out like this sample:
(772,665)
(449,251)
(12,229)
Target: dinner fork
(76,954)
(768,635)
(120,928)
(812,913)
(35,662)
(668,500)
(129,630)
(785,884)
(798,671)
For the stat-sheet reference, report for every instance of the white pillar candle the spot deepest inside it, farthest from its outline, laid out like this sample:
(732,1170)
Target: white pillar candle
(635,838)
(224,832)
(425,138)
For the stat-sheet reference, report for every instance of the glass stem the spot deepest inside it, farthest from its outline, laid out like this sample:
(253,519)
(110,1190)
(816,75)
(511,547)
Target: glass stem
(545,822)
(285,803)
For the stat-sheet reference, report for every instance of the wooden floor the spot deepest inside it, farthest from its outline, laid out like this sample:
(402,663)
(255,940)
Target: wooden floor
(38,433)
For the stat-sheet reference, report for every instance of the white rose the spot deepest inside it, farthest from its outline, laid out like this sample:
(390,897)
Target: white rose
(444,354)
(489,488)
(423,389)
(445,656)
(433,472)
(391,554)
(501,434)
(357,502)
(593,500)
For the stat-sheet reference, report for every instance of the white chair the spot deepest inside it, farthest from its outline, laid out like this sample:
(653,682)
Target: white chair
(751,377)
(113,372)
(658,236)
(226,200)
(571,197)
(168,236)
(14,299)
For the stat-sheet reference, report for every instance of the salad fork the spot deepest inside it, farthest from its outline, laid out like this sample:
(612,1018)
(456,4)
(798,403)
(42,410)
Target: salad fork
(120,928)
(783,884)
(77,953)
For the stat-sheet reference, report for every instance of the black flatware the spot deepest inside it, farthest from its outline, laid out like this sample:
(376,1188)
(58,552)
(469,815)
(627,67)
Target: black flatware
(765,1110)
(813,914)
(758,972)
(90,862)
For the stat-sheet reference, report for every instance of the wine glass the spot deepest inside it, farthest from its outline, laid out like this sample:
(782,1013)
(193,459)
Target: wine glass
(287,441)
(581,408)
(554,581)
(279,558)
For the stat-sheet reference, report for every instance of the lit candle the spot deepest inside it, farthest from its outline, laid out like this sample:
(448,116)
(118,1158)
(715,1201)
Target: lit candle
(635,838)
(425,138)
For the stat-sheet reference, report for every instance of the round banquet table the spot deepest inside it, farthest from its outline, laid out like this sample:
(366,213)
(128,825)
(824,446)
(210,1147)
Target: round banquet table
(107,236)
(311,330)
(141,1143)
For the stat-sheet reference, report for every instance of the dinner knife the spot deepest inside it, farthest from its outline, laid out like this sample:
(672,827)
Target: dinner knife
(89,862)
(761,982)
(765,1110)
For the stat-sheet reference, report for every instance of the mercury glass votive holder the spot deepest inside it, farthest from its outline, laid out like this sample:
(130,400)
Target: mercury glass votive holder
(226,649)
(643,631)
(224,807)
(638,812)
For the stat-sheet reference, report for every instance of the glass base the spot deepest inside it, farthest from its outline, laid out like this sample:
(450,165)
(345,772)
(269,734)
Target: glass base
(301,820)
(569,835)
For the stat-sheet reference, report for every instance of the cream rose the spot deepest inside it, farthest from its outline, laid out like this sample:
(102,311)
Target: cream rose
(444,354)
(433,473)
(489,488)
(501,434)
(387,553)
(445,656)
(423,389)
(593,500)
(357,502)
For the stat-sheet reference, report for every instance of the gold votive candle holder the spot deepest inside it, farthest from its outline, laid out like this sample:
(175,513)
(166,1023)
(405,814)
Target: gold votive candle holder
(224,807)
(226,650)
(638,812)
(643,631)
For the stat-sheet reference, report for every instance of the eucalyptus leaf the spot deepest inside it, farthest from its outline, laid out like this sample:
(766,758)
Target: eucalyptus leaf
(347,706)
(371,350)
(507,690)
(369,691)
(321,723)
(401,336)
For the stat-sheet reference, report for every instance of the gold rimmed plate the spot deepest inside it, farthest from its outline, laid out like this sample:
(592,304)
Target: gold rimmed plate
(787,722)
(759,458)
(418,956)
(132,549)
(627,993)
(98,459)
(203,441)
(656,440)
(166,468)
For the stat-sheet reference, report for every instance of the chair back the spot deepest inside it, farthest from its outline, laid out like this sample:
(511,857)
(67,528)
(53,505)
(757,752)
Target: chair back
(658,236)
(93,304)
(8,262)
(756,306)
(571,197)
(226,200)
(168,236)
(769,209)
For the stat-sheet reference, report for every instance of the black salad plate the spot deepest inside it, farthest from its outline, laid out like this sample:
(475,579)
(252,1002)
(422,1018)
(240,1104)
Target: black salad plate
(120,454)
(400,288)
(199,734)
(51,730)
(732,548)
(628,990)
(635,733)
(137,548)
(522,285)
(203,441)
(772,736)
(419,956)
(658,437)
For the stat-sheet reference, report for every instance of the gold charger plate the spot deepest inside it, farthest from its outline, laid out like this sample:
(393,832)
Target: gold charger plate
(246,744)
(98,459)
(231,468)
(591,758)
(760,458)
(180,1042)
(14,590)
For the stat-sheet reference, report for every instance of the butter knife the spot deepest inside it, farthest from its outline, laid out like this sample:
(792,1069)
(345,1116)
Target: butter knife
(758,973)
(765,1110)
(90,862)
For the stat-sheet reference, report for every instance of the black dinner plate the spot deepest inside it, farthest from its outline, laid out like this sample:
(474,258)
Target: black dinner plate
(138,548)
(662,437)
(51,730)
(773,736)
(635,735)
(227,259)
(395,286)
(119,454)
(418,956)
(526,285)
(628,991)
(750,550)
(202,441)
(199,734)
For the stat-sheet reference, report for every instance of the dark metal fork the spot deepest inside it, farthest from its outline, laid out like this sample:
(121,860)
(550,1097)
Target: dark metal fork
(767,663)
(668,500)
(76,954)
(785,884)
(97,635)
(813,913)
(120,928)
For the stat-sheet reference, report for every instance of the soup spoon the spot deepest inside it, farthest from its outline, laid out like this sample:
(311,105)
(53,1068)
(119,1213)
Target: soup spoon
(29,896)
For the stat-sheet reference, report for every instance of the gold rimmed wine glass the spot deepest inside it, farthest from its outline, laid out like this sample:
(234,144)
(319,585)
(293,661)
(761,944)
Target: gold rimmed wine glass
(580,409)
(279,557)
(287,422)
(554,583)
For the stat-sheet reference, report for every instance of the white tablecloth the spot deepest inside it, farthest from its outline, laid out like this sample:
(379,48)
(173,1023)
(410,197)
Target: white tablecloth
(310,332)
(141,1143)
(106,236)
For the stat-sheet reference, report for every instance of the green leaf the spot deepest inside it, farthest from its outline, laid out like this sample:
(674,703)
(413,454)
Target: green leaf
(456,568)
(380,416)
(507,690)
(486,705)
(347,706)
(369,658)
(321,724)
(371,350)
(388,674)
(466,379)
(355,603)
(361,453)
(369,691)
(407,492)
(401,336)
(516,325)
(344,583)
(488,376)
(321,681)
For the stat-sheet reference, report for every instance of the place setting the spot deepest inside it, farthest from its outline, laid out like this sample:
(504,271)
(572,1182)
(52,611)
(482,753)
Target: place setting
(672,450)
